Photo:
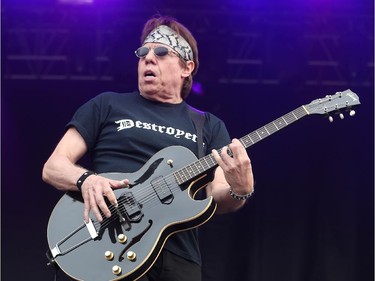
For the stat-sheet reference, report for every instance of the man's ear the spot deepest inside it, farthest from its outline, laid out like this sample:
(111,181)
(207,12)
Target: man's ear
(189,67)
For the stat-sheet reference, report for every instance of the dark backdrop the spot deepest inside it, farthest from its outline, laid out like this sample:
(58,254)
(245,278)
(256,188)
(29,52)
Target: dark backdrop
(311,217)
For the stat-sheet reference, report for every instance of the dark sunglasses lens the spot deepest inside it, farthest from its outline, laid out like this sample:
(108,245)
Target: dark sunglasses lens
(142,52)
(161,51)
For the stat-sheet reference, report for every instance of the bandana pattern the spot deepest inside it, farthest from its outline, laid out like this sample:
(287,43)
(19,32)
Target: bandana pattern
(167,36)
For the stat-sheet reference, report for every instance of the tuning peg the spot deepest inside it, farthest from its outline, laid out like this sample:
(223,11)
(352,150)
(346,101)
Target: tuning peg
(330,118)
(352,112)
(341,116)
(329,97)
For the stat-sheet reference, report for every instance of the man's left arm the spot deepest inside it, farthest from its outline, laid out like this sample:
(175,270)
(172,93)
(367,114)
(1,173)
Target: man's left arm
(233,181)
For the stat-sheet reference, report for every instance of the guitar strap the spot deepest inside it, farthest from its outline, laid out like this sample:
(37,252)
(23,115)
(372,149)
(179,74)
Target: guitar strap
(198,118)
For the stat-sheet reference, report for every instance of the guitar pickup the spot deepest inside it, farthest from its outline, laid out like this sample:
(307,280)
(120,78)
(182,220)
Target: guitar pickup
(162,190)
(129,207)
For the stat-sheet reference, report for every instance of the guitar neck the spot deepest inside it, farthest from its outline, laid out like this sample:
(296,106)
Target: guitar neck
(208,162)
(273,127)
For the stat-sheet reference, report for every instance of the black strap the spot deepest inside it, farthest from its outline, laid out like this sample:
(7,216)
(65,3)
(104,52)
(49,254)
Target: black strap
(198,118)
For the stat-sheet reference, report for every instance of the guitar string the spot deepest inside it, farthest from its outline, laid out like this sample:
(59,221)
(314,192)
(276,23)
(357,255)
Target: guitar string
(170,180)
(149,197)
(148,201)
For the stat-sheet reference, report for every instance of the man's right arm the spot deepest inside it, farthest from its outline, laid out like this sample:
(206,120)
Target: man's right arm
(62,172)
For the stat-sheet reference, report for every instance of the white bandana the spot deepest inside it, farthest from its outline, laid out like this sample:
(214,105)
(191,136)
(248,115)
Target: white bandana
(166,35)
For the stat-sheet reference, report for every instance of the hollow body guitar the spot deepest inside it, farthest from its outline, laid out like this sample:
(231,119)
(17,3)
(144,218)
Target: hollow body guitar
(157,204)
(161,200)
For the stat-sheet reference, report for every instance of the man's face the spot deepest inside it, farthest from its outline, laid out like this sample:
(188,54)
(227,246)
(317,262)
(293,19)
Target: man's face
(160,76)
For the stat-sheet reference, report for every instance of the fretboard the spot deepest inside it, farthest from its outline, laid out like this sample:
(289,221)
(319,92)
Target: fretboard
(208,162)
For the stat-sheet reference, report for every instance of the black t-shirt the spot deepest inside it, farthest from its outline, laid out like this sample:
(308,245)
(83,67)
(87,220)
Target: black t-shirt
(122,131)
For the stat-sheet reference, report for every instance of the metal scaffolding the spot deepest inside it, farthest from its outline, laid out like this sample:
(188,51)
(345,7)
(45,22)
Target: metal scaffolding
(87,44)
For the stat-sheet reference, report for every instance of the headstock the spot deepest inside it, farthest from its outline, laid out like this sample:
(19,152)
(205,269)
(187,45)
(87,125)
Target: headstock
(334,103)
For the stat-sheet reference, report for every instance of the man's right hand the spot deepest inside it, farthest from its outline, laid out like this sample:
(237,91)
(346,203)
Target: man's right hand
(94,189)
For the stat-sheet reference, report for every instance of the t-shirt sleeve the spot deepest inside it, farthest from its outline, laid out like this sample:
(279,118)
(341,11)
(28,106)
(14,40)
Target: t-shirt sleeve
(217,134)
(88,119)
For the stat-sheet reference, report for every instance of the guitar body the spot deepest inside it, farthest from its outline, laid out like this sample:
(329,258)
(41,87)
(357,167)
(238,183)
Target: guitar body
(159,202)
(154,207)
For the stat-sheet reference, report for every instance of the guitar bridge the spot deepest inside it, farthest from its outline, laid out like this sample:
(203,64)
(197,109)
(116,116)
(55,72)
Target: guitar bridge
(56,251)
(129,209)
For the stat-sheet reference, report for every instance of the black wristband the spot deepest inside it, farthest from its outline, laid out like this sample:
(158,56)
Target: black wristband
(84,176)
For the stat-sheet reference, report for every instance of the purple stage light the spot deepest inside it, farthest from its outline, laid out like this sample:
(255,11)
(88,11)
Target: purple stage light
(76,2)
(197,88)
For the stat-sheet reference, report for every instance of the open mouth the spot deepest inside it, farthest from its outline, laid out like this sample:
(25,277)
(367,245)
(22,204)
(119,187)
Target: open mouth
(149,73)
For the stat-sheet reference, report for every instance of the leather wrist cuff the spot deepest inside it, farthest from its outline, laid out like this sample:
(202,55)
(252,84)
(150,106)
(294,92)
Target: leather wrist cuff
(82,178)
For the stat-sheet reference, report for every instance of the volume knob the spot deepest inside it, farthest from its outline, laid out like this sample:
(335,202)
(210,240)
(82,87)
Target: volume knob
(116,270)
(108,255)
(122,238)
(131,255)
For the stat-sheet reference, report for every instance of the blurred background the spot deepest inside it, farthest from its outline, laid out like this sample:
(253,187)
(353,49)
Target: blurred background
(312,215)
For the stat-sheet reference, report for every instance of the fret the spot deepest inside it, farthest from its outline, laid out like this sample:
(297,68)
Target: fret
(252,141)
(259,136)
(277,128)
(212,161)
(208,162)
(255,136)
(303,112)
(205,164)
(177,177)
(248,138)
(194,169)
(285,122)
(272,128)
(184,174)
(290,117)
(242,142)
(189,171)
(198,166)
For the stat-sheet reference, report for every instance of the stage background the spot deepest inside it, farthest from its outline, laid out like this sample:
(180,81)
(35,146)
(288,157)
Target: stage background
(311,217)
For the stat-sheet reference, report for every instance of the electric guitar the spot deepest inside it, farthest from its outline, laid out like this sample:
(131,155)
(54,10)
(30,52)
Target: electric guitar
(158,202)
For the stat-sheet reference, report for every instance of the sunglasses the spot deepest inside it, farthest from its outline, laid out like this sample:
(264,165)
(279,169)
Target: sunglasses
(160,51)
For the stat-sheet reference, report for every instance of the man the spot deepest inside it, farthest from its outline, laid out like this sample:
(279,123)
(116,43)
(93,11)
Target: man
(122,131)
